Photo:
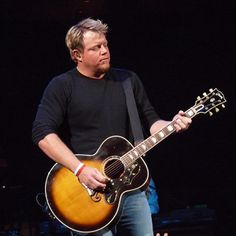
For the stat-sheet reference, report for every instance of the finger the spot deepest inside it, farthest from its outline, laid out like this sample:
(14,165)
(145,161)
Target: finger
(182,113)
(100,177)
(98,185)
(94,184)
(185,119)
(177,127)
(180,123)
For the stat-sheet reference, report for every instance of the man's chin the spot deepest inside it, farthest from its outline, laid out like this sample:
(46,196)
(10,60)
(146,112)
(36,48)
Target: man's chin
(104,68)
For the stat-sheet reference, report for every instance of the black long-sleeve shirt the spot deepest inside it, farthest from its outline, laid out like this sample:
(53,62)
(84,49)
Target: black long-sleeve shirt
(93,109)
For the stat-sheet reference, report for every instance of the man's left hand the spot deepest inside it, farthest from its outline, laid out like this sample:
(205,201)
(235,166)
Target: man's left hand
(182,122)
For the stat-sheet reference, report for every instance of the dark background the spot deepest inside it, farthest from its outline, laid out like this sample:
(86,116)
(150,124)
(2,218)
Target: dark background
(180,49)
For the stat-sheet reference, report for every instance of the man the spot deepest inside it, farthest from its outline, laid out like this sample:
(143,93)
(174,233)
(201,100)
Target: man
(90,98)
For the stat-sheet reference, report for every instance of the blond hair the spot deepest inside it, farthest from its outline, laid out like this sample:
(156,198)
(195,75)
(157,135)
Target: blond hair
(75,35)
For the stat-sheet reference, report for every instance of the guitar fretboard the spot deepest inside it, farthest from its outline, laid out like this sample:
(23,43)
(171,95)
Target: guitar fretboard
(130,157)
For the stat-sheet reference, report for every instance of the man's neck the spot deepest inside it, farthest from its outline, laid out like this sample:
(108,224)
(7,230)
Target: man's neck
(91,74)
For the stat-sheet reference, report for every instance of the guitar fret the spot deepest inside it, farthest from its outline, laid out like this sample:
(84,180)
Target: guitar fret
(149,143)
(146,146)
(140,151)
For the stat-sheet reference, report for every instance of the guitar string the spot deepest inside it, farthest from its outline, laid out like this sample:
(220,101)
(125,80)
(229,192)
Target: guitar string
(114,168)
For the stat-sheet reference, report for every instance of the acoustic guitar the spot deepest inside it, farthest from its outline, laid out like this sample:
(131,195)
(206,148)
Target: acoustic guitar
(84,210)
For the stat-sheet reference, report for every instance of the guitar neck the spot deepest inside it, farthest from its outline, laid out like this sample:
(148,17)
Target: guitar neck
(130,157)
(204,105)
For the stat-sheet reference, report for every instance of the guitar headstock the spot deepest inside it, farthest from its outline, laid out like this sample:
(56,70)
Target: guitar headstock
(210,102)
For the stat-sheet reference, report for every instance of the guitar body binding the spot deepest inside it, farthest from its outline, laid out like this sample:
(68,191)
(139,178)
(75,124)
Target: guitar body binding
(87,211)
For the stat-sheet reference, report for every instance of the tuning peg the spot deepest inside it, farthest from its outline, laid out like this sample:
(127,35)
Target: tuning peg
(223,106)
(211,90)
(198,98)
(204,94)
(217,109)
(210,113)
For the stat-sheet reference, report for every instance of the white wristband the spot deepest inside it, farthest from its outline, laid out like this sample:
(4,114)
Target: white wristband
(78,168)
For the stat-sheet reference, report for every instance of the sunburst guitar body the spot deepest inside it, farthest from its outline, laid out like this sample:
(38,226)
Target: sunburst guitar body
(84,210)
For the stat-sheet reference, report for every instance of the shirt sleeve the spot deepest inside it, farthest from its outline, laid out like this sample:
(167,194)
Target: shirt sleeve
(146,110)
(51,110)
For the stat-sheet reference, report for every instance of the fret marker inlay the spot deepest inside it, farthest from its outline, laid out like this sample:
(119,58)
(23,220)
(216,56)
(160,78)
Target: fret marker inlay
(130,155)
(144,147)
(161,134)
(136,153)
(190,113)
(154,140)
(170,128)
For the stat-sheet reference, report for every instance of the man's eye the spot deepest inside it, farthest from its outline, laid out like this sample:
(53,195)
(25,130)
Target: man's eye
(95,48)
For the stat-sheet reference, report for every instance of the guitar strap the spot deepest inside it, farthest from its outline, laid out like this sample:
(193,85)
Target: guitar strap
(133,112)
(137,130)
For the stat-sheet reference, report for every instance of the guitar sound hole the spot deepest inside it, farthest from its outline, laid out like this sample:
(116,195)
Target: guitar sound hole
(113,168)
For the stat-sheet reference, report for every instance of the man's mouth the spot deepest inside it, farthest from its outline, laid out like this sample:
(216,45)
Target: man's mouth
(104,60)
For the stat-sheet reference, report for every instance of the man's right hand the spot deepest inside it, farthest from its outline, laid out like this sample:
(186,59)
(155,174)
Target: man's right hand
(92,178)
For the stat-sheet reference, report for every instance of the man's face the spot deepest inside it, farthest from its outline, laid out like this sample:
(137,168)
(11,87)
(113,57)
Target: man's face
(96,55)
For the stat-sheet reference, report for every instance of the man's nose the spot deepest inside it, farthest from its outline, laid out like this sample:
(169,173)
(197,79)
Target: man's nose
(104,49)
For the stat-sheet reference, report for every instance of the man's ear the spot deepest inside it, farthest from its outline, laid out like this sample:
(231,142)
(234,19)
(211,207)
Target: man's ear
(77,55)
